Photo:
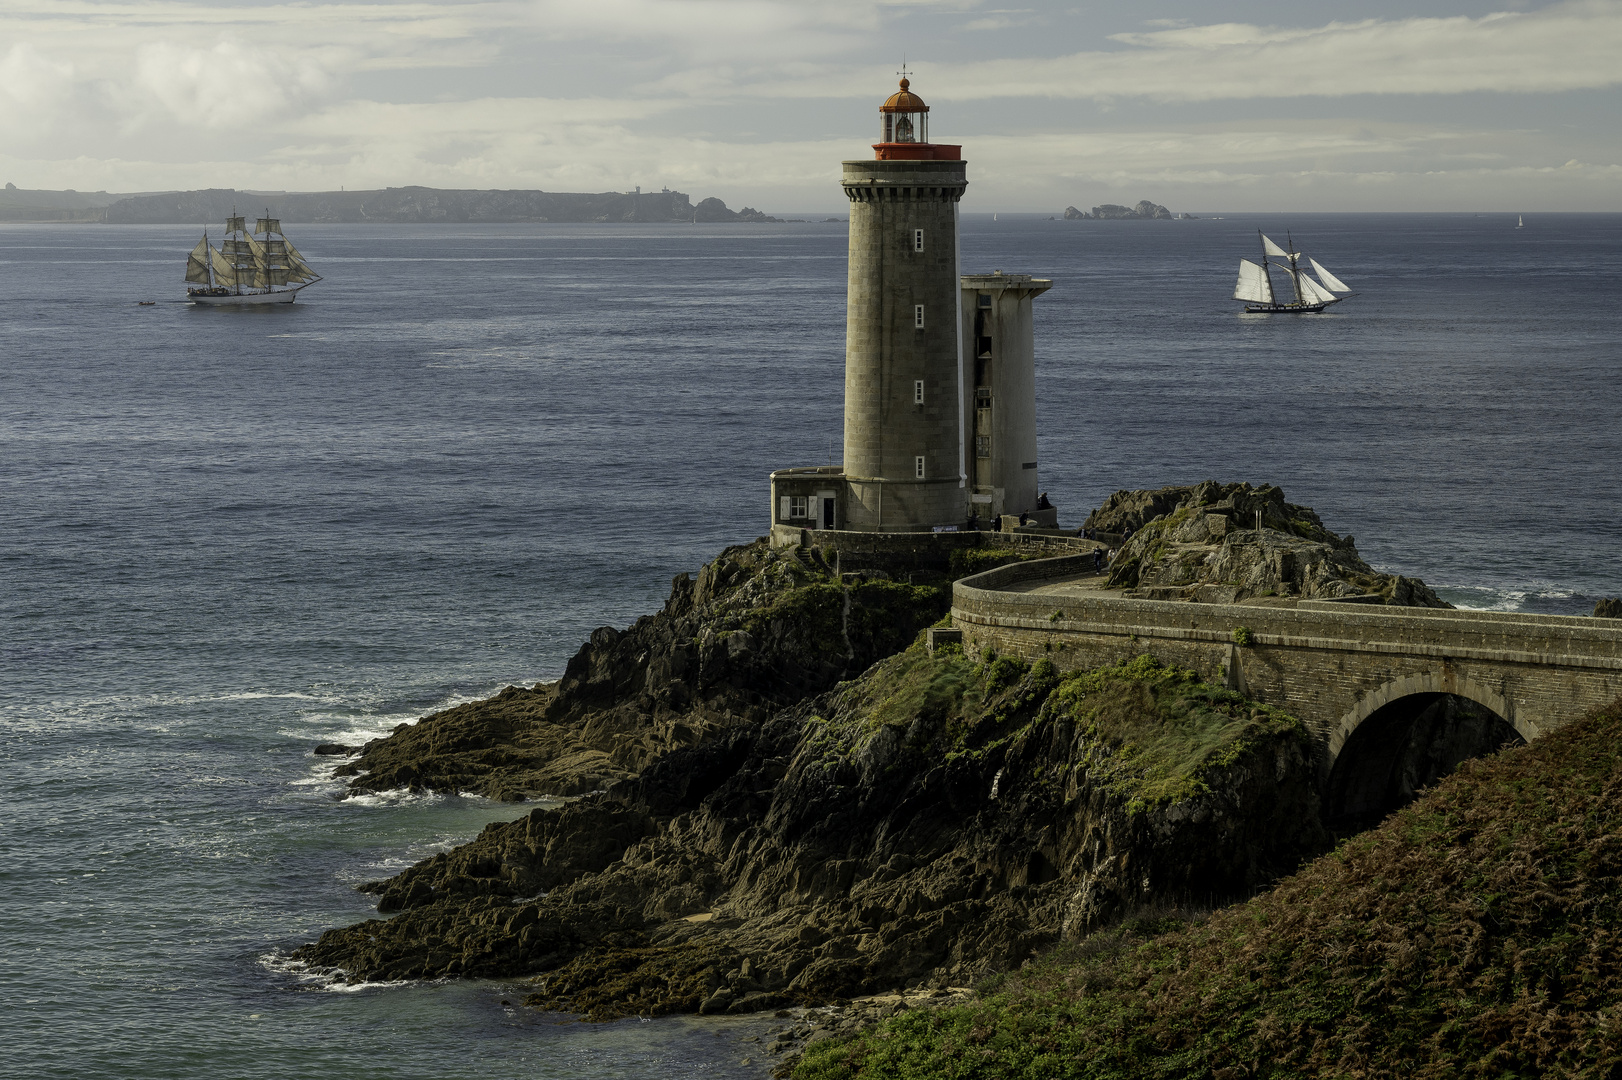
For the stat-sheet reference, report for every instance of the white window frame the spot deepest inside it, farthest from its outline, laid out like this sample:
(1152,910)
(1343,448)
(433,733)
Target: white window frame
(918,467)
(917,239)
(917,316)
(799,506)
(917,391)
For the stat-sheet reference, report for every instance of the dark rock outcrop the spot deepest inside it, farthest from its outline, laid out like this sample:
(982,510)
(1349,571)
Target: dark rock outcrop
(926,824)
(1072,214)
(1610,608)
(1229,543)
(756,631)
(713,209)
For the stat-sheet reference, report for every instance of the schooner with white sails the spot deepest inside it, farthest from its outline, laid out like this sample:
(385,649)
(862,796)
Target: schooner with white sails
(246,270)
(1310,295)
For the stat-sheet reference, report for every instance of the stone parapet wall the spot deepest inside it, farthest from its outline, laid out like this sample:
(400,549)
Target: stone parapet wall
(1331,665)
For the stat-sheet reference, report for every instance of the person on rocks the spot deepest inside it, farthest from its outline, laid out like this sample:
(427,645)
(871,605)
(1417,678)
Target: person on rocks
(1042,502)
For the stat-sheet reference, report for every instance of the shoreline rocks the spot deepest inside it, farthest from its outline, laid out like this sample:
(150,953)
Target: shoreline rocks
(1232,543)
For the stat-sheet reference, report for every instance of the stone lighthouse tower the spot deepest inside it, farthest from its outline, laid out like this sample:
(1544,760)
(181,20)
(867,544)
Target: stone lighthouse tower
(903,368)
(940,406)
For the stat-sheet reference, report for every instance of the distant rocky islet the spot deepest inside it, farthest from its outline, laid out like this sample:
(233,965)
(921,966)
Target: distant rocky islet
(1143,211)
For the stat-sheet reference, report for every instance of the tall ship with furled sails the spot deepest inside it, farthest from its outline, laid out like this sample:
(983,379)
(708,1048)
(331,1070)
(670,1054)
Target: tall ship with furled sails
(245,269)
(1310,295)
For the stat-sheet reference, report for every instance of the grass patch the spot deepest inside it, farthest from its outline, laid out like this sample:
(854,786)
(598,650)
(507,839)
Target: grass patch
(1163,728)
(969,561)
(1475,934)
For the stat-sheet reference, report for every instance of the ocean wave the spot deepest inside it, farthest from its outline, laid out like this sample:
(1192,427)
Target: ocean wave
(1538,598)
(328,979)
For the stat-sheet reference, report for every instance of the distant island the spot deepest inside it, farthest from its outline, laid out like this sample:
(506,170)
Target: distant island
(402,205)
(1144,211)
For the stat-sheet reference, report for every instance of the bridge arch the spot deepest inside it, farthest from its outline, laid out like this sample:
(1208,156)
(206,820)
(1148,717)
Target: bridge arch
(1429,682)
(1406,735)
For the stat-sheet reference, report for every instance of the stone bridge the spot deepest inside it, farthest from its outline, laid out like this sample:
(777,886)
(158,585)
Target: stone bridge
(1359,676)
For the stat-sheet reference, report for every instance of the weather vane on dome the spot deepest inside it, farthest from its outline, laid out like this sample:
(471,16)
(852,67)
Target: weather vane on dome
(903,72)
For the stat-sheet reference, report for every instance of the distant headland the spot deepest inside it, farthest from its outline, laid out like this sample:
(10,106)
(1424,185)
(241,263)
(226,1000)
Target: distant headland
(395,205)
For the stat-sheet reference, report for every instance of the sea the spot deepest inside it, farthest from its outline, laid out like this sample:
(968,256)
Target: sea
(227,536)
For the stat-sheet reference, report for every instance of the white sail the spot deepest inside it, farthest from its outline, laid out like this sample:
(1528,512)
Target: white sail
(197,263)
(1314,293)
(235,223)
(1254,284)
(268,225)
(1334,283)
(298,271)
(1272,248)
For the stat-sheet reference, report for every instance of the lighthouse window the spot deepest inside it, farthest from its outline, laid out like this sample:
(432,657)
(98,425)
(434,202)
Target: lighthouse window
(982,446)
(918,466)
(903,129)
(918,391)
(918,316)
(917,239)
(985,299)
(796,506)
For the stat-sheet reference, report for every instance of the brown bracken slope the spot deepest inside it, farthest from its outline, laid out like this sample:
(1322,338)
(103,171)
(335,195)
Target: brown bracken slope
(1473,934)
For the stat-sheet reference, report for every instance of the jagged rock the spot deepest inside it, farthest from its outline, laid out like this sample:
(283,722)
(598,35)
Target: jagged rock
(875,836)
(1608,609)
(1072,214)
(1203,543)
(756,631)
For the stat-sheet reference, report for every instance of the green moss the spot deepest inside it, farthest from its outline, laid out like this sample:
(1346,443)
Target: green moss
(1160,729)
(968,561)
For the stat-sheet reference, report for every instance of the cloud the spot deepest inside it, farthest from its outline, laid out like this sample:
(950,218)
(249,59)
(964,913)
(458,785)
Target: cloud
(764,32)
(230,83)
(1572,46)
(34,89)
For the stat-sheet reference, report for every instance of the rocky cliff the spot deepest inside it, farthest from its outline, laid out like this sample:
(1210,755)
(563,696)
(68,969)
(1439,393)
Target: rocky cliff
(754,633)
(1228,543)
(931,821)
(787,798)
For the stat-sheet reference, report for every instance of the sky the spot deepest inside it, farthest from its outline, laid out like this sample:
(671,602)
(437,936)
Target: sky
(1217,105)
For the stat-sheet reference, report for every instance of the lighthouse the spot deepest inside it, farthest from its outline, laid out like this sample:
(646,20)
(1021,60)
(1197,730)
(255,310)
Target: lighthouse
(904,438)
(929,424)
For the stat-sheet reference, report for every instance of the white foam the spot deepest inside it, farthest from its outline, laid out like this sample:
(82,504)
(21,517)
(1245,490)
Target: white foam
(329,979)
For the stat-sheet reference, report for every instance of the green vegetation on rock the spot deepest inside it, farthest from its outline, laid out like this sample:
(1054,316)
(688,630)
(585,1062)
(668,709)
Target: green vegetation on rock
(1476,933)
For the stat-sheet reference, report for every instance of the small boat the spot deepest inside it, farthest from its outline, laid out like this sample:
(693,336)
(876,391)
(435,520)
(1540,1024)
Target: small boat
(1311,295)
(1520,222)
(245,270)
(145,303)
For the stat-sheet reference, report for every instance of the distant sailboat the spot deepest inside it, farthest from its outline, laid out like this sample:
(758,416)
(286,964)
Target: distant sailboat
(1520,222)
(1310,295)
(243,270)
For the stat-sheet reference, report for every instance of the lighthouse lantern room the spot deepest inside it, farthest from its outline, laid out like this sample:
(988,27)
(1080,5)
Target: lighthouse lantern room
(904,130)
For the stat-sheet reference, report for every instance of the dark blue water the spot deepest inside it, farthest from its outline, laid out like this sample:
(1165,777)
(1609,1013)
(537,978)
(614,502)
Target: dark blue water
(228,535)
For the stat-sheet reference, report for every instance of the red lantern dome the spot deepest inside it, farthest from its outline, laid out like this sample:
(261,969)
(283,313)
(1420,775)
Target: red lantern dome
(904,130)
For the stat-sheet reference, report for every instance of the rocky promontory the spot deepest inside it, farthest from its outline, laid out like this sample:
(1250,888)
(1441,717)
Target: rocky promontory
(1231,543)
(785,798)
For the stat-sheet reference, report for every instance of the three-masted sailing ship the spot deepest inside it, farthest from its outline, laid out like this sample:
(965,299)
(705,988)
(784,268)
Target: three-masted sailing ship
(246,270)
(1310,295)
